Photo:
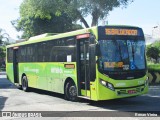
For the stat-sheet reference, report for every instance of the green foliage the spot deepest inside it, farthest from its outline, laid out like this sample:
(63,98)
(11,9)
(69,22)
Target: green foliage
(2,52)
(2,56)
(154,67)
(75,9)
(59,15)
(1,37)
(35,26)
(4,40)
(153,52)
(156,44)
(4,37)
(34,20)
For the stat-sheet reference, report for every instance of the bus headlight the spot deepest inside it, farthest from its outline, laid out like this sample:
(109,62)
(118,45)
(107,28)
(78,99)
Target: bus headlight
(110,86)
(104,83)
(107,84)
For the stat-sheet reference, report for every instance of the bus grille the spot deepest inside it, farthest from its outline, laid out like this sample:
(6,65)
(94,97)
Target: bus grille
(125,92)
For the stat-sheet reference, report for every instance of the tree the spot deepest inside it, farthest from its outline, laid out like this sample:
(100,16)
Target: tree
(2,53)
(34,25)
(153,52)
(4,37)
(77,9)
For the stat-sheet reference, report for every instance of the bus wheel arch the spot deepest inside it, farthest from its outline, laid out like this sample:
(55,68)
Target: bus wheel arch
(70,90)
(24,82)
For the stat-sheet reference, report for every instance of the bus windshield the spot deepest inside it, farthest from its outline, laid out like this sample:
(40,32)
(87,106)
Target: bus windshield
(122,55)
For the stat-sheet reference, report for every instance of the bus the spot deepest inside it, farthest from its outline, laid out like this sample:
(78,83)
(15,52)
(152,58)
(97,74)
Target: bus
(97,63)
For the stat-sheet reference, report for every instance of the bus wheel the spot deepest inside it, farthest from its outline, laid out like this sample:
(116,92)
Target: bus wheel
(24,84)
(71,91)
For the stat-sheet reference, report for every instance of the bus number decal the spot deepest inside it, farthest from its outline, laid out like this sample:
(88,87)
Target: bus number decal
(56,70)
(27,69)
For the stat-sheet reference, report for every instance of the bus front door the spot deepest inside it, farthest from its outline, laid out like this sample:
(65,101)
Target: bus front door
(15,65)
(83,68)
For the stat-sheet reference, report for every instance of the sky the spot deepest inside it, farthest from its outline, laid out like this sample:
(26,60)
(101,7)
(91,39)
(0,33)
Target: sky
(141,13)
(9,10)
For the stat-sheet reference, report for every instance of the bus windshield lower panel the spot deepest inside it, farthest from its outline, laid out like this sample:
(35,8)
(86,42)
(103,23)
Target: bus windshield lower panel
(122,59)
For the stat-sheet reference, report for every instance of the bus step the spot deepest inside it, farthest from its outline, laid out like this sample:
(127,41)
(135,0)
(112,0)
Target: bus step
(85,97)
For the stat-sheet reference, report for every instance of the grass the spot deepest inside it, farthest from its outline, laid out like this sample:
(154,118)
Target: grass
(153,67)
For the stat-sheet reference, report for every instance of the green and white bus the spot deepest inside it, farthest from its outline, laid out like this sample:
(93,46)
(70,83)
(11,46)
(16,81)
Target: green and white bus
(97,63)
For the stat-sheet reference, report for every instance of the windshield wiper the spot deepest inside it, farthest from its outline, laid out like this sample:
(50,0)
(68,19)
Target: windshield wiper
(119,47)
(133,55)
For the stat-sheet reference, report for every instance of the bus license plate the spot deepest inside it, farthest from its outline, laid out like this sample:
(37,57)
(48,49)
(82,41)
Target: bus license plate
(131,91)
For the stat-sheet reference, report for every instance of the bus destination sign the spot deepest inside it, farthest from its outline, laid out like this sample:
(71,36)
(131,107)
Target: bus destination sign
(118,31)
(123,32)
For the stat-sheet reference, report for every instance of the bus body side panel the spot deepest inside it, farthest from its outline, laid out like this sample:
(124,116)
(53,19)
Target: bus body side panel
(29,69)
(56,74)
(9,71)
(48,76)
(42,82)
(53,77)
(94,87)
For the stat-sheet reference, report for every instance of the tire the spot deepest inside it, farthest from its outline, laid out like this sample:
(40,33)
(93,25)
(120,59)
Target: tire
(24,83)
(71,92)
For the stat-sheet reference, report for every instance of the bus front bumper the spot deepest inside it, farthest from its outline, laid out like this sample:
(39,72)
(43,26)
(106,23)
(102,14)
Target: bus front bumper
(107,94)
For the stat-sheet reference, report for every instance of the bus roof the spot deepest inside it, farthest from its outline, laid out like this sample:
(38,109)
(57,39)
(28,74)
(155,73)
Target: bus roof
(52,36)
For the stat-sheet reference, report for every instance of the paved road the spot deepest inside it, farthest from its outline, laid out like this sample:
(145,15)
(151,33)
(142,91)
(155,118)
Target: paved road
(13,99)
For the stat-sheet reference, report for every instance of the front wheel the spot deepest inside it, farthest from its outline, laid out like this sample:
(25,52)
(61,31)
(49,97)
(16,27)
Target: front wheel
(24,83)
(71,91)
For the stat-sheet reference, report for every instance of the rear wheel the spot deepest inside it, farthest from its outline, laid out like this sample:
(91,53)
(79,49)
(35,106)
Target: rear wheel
(71,91)
(24,83)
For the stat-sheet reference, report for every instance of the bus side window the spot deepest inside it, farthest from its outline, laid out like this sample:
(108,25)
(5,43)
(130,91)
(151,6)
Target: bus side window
(29,53)
(53,56)
(34,55)
(48,50)
(10,55)
(23,53)
(70,41)
(41,52)
(20,54)
(71,51)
